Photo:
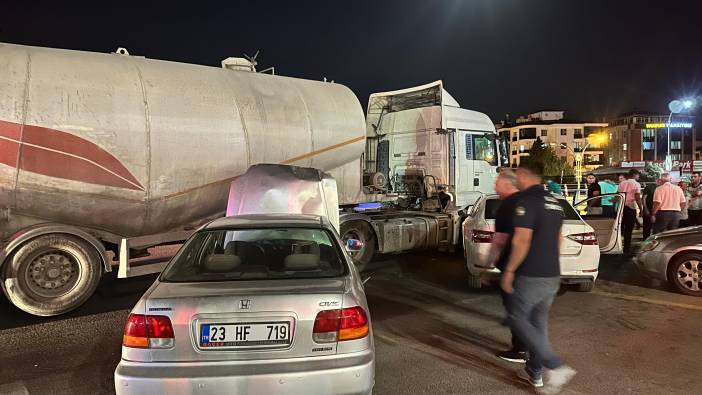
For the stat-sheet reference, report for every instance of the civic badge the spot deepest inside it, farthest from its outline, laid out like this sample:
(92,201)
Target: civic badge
(245,304)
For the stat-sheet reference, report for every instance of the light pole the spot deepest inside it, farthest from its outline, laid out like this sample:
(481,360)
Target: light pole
(593,138)
(675,107)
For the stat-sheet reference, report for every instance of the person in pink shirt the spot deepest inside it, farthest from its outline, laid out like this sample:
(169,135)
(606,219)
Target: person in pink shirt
(668,201)
(632,190)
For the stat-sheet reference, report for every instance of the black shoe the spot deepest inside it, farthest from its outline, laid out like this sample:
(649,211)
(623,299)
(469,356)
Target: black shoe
(513,356)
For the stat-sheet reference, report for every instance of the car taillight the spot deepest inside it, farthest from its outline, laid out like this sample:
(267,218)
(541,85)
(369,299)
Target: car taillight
(587,239)
(148,331)
(340,324)
(482,236)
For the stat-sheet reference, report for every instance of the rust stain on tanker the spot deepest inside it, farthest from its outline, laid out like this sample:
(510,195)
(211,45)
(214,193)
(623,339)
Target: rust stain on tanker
(59,154)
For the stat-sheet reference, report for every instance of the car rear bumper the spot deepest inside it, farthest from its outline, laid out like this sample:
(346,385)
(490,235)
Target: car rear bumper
(653,264)
(352,373)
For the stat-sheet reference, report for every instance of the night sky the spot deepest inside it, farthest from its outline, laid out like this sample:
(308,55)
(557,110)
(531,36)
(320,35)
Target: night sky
(594,59)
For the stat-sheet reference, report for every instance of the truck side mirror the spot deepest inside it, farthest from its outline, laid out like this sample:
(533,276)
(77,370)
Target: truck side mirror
(354,245)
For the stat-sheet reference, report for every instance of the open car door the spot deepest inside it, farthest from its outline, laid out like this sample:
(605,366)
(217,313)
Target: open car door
(605,218)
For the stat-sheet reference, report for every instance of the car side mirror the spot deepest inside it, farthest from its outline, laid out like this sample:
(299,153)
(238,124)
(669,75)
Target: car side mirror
(354,245)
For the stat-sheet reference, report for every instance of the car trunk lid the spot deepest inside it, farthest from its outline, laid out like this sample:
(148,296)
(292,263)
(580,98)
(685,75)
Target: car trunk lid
(244,320)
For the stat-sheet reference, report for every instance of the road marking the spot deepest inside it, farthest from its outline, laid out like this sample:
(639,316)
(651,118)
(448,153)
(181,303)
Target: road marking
(647,300)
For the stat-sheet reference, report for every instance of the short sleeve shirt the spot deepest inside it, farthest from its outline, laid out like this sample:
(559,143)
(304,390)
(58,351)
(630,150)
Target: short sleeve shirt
(541,212)
(630,187)
(695,201)
(504,224)
(669,196)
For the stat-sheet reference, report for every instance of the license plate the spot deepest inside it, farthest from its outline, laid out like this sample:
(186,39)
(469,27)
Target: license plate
(245,334)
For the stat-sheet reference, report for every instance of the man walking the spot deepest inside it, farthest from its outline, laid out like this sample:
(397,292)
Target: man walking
(694,211)
(532,278)
(506,188)
(668,200)
(632,190)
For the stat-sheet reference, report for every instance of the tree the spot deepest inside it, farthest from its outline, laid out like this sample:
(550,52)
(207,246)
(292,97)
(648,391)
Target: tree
(554,166)
(652,172)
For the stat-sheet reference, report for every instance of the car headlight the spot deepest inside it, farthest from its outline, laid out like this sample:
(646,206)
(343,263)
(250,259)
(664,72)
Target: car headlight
(649,245)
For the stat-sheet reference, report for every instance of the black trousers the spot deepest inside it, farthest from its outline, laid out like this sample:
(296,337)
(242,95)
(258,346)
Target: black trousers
(517,345)
(647,225)
(628,221)
(694,217)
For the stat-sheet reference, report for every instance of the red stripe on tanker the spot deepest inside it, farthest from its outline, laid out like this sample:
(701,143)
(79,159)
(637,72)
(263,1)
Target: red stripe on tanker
(59,154)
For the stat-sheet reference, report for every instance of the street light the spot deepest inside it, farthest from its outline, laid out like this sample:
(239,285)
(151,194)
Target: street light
(676,106)
(593,139)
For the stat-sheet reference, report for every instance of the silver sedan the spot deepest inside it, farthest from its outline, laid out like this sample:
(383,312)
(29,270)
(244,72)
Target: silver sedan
(676,257)
(264,304)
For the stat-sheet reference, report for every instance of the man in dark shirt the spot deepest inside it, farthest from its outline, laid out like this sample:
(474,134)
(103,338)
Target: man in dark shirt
(532,278)
(594,206)
(506,188)
(648,192)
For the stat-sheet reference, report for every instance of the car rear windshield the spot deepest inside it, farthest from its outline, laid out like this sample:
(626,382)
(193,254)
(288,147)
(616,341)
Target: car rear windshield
(256,254)
(491,206)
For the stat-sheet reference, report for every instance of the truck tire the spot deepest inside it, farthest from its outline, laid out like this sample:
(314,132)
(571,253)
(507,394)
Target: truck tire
(360,230)
(52,274)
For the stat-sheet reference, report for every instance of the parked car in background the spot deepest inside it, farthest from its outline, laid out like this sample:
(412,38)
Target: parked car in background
(585,237)
(265,304)
(674,256)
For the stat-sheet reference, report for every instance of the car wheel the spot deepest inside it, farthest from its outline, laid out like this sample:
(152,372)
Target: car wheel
(685,274)
(474,282)
(360,230)
(586,286)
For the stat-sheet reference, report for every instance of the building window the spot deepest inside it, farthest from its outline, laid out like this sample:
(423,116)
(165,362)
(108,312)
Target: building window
(527,133)
(544,132)
(564,132)
(514,136)
(521,148)
(648,145)
(675,144)
(578,133)
(624,147)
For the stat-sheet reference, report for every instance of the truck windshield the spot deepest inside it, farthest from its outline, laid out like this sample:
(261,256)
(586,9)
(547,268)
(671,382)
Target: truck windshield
(256,254)
(485,148)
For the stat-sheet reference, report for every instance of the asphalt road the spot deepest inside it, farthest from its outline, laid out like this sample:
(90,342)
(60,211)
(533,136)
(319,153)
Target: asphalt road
(433,335)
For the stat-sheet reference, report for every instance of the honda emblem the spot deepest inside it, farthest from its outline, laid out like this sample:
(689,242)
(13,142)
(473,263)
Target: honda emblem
(244,304)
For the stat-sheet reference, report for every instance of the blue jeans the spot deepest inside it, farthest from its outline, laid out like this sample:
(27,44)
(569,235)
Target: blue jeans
(666,220)
(528,318)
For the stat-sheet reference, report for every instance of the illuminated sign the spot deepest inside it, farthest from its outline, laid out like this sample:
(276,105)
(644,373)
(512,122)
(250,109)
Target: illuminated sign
(686,125)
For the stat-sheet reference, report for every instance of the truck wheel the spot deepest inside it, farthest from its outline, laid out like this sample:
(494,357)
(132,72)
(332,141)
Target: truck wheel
(360,230)
(52,274)
(685,274)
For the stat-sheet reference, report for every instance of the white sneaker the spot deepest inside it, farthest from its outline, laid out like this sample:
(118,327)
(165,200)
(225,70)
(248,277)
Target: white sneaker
(536,383)
(556,379)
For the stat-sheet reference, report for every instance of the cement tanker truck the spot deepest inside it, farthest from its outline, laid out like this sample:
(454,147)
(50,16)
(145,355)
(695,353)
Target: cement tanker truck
(105,155)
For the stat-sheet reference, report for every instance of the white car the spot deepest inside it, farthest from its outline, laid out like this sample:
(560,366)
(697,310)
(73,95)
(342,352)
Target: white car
(585,237)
